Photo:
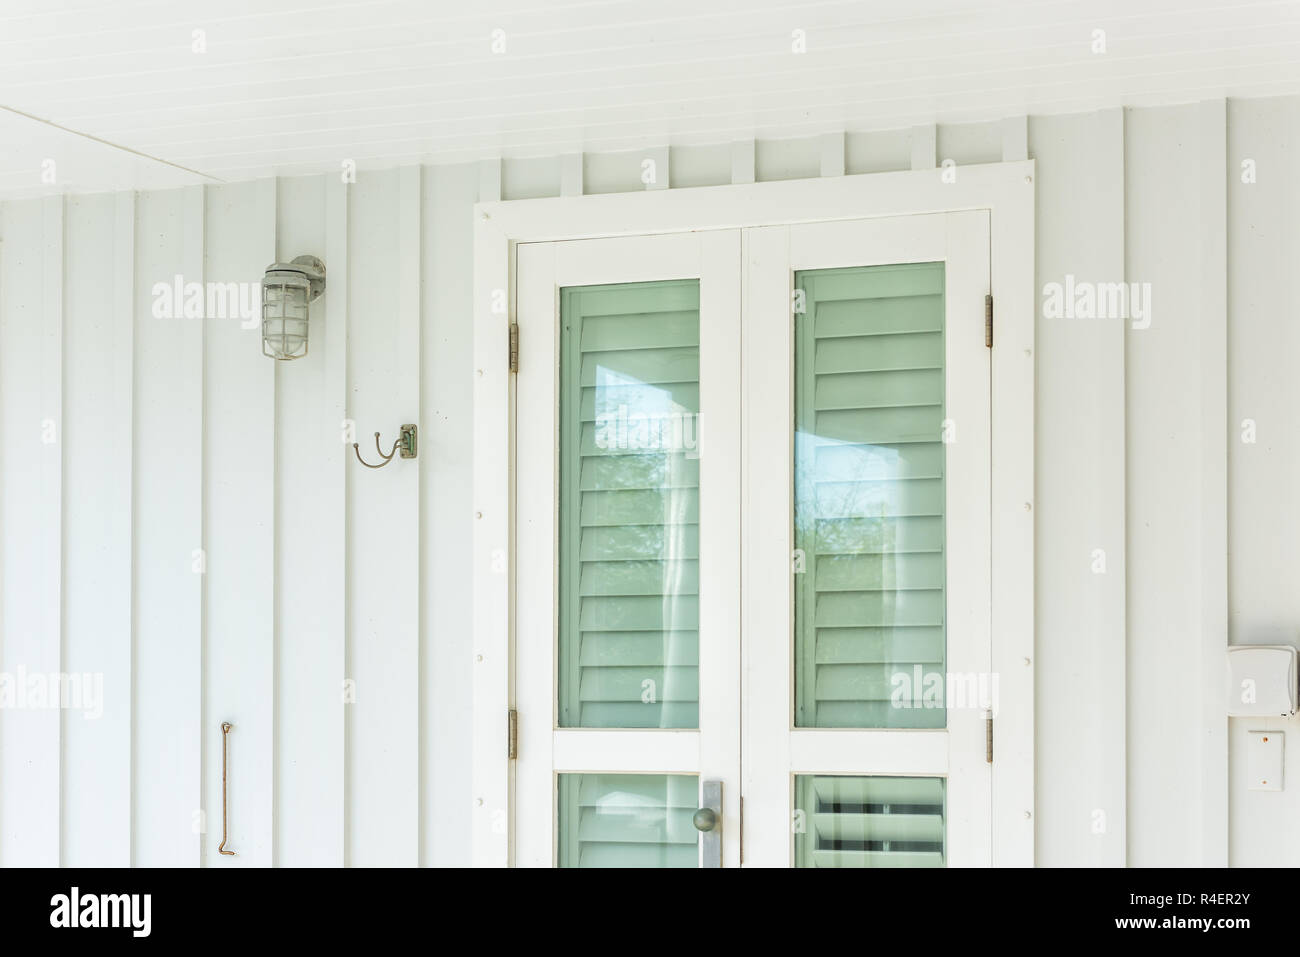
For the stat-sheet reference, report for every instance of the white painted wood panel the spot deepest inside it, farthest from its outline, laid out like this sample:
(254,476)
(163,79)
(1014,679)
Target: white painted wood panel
(382,797)
(98,354)
(31,357)
(1079,508)
(167,739)
(310,462)
(1262,443)
(239,524)
(1165,376)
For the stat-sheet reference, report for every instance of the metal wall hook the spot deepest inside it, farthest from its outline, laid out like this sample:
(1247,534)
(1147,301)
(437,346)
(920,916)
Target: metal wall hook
(406,444)
(225,733)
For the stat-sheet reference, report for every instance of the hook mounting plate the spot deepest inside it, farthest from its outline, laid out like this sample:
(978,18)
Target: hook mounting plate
(406,443)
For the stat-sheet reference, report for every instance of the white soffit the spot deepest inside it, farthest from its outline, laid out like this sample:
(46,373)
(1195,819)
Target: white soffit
(246,88)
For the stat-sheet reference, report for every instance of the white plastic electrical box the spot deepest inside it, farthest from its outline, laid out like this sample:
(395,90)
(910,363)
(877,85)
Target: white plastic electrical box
(1261,680)
(1264,760)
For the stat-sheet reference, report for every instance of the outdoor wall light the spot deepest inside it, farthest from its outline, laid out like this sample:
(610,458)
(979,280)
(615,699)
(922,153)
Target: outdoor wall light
(288,290)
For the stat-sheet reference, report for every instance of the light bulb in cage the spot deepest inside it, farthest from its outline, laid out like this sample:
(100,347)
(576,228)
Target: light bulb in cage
(288,290)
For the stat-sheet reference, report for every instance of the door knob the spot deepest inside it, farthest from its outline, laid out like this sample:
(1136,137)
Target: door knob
(705,819)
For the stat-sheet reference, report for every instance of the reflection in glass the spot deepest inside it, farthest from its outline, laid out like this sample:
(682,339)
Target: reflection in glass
(629,506)
(627,820)
(869,498)
(868,821)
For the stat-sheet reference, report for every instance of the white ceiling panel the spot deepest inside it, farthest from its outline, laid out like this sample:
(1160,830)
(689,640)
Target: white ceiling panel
(245,88)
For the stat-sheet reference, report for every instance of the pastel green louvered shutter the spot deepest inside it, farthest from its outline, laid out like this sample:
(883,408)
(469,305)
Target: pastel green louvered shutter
(629,506)
(627,820)
(869,497)
(869,821)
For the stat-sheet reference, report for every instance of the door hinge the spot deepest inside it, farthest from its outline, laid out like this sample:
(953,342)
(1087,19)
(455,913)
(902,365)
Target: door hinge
(512,732)
(742,829)
(988,320)
(988,738)
(514,347)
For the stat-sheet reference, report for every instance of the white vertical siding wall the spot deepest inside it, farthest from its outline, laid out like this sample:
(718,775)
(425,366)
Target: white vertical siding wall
(1264,475)
(198,532)
(1080,457)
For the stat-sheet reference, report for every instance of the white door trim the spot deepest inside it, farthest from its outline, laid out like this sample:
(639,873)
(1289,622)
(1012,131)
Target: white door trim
(1007,191)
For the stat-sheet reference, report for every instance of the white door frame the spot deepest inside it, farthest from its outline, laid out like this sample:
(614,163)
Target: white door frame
(1006,190)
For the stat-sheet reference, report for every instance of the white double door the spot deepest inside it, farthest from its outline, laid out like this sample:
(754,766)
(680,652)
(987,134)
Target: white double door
(752,547)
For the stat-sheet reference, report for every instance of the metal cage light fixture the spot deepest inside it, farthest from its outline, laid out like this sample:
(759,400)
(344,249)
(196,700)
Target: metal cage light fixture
(288,290)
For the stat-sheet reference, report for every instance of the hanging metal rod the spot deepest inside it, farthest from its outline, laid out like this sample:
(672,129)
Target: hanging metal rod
(225,733)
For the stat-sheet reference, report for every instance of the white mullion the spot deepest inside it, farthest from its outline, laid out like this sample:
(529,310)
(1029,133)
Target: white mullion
(889,752)
(967,541)
(768,584)
(620,751)
(537,388)
(720,530)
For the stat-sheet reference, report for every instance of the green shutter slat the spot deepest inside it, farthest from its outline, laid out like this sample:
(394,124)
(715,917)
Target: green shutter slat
(879,645)
(643,472)
(906,279)
(639,855)
(878,859)
(878,714)
(878,317)
(630,542)
(879,572)
(878,390)
(629,505)
(870,493)
(880,827)
(639,714)
(638,613)
(914,423)
(850,609)
(652,438)
(630,826)
(637,790)
(874,682)
(887,499)
(641,507)
(879,535)
(649,366)
(622,684)
(608,400)
(665,330)
(649,648)
(646,299)
(875,463)
(640,578)
(879,353)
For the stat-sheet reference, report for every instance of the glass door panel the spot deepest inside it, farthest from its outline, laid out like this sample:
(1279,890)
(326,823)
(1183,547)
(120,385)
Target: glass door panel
(850,821)
(869,497)
(627,820)
(629,508)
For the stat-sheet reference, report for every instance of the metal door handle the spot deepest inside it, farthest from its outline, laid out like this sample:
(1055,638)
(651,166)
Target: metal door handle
(708,821)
